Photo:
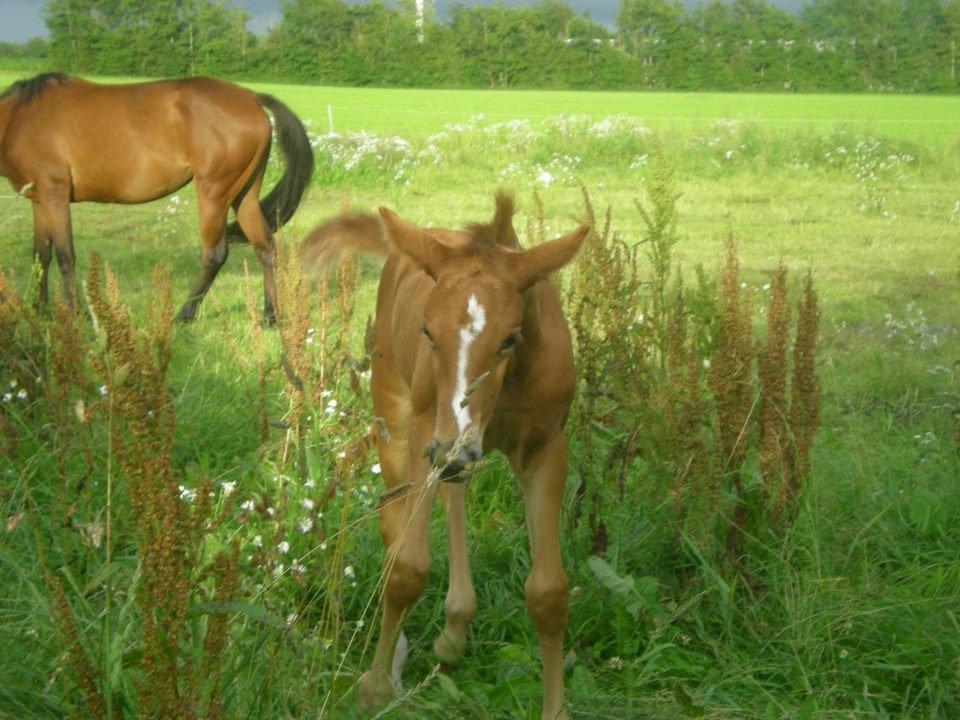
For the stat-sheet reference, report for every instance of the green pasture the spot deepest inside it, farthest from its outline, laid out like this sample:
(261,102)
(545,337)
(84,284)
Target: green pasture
(412,112)
(860,613)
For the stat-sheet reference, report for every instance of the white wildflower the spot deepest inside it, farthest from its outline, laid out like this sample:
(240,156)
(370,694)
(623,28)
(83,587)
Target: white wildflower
(283,547)
(545,178)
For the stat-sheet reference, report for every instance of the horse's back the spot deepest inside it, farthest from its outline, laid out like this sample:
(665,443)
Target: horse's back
(135,142)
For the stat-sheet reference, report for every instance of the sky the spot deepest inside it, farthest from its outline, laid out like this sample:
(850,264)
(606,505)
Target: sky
(21,19)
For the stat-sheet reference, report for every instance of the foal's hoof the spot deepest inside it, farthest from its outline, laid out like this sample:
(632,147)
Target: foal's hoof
(448,650)
(376,689)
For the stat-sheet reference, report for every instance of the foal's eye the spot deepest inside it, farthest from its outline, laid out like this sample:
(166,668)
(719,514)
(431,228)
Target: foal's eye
(426,334)
(509,343)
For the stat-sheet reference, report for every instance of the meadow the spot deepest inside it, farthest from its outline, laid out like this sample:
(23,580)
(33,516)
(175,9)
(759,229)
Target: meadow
(847,610)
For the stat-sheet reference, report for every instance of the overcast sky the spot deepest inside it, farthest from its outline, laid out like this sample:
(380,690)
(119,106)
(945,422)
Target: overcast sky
(20,19)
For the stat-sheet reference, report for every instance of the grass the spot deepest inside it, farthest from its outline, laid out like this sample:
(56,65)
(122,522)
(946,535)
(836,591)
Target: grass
(422,111)
(858,613)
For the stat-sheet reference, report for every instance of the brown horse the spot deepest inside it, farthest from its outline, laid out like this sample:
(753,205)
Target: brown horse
(64,140)
(472,353)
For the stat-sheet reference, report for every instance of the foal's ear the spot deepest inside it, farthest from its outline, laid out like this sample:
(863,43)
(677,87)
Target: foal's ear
(538,262)
(504,234)
(425,250)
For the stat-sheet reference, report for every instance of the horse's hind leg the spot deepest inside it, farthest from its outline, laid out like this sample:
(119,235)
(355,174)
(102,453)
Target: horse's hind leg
(254,226)
(51,224)
(213,223)
(42,252)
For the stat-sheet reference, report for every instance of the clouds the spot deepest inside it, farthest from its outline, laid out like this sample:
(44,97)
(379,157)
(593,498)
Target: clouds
(22,19)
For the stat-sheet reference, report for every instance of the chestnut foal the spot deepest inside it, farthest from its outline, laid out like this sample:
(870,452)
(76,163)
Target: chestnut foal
(472,353)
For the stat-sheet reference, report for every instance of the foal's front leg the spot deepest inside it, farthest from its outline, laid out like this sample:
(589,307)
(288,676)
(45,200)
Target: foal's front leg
(405,566)
(461,603)
(542,476)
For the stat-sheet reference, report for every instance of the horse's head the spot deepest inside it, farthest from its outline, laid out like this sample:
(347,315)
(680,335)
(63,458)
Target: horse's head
(473,318)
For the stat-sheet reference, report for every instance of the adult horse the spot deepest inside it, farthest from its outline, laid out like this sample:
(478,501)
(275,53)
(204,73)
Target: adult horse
(472,353)
(64,140)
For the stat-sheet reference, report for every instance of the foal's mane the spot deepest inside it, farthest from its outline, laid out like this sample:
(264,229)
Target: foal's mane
(30,89)
(497,232)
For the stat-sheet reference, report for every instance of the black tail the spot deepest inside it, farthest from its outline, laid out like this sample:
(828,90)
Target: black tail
(281,202)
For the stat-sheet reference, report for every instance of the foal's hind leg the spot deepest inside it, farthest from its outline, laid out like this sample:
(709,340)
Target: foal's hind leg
(254,226)
(213,222)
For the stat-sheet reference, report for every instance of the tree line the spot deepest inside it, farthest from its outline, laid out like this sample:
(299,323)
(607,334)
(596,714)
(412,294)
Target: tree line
(832,45)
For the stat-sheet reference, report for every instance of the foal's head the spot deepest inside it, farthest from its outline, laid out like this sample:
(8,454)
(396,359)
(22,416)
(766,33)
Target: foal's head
(473,317)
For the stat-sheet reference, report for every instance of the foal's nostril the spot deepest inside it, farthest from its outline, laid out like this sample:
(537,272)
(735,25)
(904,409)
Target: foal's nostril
(473,453)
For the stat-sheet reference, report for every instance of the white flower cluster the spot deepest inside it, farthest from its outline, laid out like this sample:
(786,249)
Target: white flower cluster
(913,327)
(355,151)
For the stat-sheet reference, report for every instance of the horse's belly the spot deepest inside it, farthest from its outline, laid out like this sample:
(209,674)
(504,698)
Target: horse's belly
(136,183)
(136,176)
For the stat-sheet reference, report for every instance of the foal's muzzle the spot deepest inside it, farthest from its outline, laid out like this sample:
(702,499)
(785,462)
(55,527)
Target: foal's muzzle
(455,466)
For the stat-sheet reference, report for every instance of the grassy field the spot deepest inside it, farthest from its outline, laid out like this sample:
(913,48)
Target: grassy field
(855,614)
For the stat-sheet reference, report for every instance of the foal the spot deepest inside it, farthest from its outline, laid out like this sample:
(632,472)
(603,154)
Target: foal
(472,354)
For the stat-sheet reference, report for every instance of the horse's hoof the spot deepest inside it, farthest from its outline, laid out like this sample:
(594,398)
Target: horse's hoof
(375,690)
(185,316)
(449,651)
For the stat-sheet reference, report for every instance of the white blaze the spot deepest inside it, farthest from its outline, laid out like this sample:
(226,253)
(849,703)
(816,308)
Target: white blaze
(476,320)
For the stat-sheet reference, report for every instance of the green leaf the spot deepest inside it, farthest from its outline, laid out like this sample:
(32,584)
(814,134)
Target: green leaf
(252,612)
(622,586)
(806,710)
(687,706)
(927,513)
(449,686)
(637,594)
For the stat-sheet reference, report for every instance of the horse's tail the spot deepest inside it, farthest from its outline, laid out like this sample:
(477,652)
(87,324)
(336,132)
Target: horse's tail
(353,233)
(282,201)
